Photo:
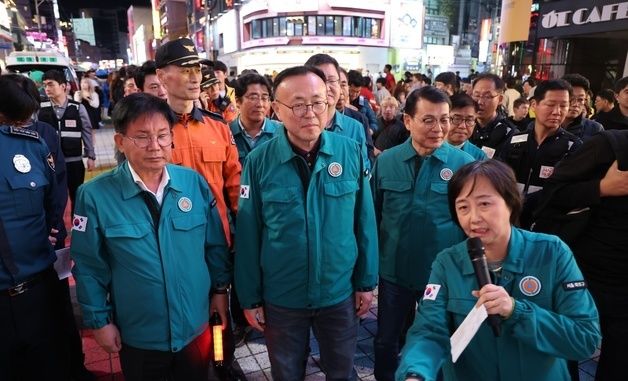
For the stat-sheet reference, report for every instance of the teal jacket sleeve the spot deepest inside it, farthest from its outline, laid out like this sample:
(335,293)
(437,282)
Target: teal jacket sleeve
(219,261)
(91,268)
(572,329)
(248,272)
(366,267)
(427,342)
(377,194)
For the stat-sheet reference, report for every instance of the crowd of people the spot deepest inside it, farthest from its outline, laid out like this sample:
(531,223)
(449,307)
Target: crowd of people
(280,203)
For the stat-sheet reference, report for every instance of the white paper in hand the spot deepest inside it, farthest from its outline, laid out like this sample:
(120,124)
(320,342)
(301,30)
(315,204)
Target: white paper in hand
(465,332)
(63,264)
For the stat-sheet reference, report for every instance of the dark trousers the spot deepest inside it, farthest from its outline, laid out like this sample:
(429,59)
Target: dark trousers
(30,338)
(76,177)
(69,329)
(189,364)
(287,334)
(613,310)
(395,313)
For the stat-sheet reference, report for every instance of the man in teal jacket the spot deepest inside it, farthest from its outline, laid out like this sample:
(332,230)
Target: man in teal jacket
(306,245)
(252,128)
(554,316)
(148,244)
(410,193)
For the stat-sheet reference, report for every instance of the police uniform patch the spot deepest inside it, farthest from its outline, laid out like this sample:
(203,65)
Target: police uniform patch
(21,163)
(79,223)
(530,285)
(23,132)
(334,169)
(244,191)
(184,204)
(431,291)
(446,174)
(51,161)
(574,285)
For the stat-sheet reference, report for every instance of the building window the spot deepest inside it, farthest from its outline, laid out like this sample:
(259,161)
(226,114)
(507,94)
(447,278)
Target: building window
(221,41)
(338,26)
(375,28)
(282,26)
(358,27)
(320,25)
(347,26)
(256,29)
(289,28)
(311,25)
(329,25)
(275,26)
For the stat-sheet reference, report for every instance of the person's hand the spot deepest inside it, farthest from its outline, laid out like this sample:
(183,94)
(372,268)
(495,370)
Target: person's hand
(256,318)
(220,304)
(91,164)
(108,337)
(496,300)
(52,237)
(204,98)
(615,182)
(376,152)
(363,302)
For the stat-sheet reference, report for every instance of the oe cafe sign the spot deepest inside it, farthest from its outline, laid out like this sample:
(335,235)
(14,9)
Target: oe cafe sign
(576,17)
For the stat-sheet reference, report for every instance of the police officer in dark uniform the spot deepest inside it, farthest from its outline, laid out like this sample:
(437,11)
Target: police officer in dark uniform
(532,154)
(29,348)
(492,129)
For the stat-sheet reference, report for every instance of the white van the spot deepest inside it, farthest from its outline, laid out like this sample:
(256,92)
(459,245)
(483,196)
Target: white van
(25,62)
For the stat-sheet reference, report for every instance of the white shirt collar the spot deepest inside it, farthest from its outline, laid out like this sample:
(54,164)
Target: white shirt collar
(159,195)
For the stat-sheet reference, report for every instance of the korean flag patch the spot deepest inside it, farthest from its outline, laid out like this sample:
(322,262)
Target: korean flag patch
(431,291)
(244,191)
(79,223)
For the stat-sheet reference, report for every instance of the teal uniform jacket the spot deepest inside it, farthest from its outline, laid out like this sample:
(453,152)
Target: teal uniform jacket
(351,128)
(412,213)
(304,248)
(159,283)
(270,127)
(474,151)
(555,319)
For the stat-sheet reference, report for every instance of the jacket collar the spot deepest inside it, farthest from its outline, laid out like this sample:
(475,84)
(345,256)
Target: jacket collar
(514,258)
(131,189)
(408,152)
(285,150)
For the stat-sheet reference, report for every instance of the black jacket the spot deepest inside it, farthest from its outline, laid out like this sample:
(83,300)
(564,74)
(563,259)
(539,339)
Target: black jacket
(584,128)
(492,137)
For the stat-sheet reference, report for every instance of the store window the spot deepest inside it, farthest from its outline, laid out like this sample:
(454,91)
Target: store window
(320,25)
(282,26)
(327,25)
(347,25)
(311,25)
(358,27)
(275,26)
(256,29)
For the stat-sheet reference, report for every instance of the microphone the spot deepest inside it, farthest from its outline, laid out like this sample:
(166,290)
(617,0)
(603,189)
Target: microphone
(478,259)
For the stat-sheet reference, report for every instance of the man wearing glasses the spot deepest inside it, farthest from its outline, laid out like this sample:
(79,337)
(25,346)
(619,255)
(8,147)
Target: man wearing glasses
(306,247)
(491,129)
(462,122)
(576,121)
(148,245)
(414,224)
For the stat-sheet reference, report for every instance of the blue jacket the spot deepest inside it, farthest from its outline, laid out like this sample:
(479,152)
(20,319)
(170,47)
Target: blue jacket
(27,202)
(244,148)
(553,320)
(307,247)
(153,284)
(413,219)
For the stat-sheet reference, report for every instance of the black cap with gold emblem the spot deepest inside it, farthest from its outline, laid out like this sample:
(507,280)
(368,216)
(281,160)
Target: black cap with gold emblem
(181,52)
(208,78)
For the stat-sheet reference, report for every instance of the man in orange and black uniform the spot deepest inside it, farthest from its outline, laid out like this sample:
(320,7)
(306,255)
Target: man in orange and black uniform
(202,141)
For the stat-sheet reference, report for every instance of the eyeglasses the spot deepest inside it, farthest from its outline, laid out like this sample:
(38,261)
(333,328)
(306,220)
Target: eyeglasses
(431,123)
(142,142)
(300,109)
(256,98)
(332,81)
(457,120)
(578,100)
(484,97)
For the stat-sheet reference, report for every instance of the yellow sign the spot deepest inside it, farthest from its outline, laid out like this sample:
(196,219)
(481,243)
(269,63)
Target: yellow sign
(515,20)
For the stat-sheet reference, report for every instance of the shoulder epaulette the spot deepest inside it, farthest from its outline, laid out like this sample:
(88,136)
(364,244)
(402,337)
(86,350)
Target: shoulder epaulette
(19,131)
(213,115)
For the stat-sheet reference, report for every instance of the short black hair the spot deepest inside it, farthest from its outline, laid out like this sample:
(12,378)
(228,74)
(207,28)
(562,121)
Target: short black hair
(550,85)
(461,100)
(342,70)
(137,105)
(621,84)
(520,101)
(448,78)
(388,66)
(531,81)
(220,66)
(55,75)
(148,68)
(607,94)
(499,83)
(429,93)
(241,85)
(322,59)
(499,174)
(578,80)
(381,80)
(297,71)
(354,78)
(19,98)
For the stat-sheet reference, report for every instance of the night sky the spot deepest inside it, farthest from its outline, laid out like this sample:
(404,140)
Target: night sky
(67,7)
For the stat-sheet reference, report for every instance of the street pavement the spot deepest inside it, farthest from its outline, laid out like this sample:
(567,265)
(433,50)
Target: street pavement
(252,356)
